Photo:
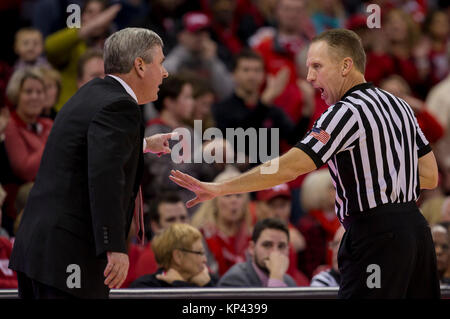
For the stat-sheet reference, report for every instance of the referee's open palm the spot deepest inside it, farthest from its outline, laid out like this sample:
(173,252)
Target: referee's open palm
(203,191)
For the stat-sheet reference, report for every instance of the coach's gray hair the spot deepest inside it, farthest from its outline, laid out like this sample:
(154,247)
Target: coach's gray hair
(124,46)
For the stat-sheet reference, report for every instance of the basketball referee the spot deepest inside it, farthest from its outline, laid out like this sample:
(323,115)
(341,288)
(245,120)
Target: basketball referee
(379,160)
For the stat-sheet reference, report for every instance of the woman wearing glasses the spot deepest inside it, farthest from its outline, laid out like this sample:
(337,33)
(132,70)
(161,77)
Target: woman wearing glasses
(180,253)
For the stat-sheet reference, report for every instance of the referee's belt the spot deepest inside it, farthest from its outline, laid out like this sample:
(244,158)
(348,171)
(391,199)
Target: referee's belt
(388,208)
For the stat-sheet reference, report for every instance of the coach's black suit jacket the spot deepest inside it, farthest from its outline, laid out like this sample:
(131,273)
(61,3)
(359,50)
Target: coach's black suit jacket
(82,202)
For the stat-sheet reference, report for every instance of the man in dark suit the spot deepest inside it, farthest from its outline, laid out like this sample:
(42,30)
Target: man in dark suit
(72,237)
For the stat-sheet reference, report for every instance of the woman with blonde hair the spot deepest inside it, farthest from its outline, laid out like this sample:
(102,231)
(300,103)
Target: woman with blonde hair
(226,224)
(27,132)
(180,253)
(320,223)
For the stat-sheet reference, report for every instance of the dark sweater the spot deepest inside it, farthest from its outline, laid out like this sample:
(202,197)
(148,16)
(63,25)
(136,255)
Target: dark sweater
(234,113)
(150,281)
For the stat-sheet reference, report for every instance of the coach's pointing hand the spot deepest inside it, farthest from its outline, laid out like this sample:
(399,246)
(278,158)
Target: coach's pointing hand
(159,143)
(116,270)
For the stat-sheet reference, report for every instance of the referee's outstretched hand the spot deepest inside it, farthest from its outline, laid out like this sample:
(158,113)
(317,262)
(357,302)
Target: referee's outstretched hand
(203,191)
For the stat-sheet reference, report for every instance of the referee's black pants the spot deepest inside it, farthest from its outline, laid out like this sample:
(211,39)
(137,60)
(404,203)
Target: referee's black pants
(388,252)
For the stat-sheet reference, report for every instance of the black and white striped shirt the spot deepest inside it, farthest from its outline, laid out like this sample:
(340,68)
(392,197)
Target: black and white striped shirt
(371,142)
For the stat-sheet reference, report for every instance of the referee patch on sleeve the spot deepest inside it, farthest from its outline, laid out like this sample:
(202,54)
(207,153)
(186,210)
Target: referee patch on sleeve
(320,135)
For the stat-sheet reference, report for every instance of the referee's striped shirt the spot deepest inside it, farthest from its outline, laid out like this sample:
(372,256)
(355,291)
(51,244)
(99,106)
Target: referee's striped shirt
(371,142)
(326,278)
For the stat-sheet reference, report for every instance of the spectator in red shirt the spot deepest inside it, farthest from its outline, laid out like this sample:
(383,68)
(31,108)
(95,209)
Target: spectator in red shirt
(26,133)
(225,223)
(393,52)
(320,223)
(276,203)
(281,48)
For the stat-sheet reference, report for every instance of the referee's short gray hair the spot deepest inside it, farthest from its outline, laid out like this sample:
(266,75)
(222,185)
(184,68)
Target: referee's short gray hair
(124,46)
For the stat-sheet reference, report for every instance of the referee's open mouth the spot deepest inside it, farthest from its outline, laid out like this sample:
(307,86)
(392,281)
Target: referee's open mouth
(322,91)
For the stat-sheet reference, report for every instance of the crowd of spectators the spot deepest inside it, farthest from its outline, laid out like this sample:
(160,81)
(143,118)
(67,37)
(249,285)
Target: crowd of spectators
(232,64)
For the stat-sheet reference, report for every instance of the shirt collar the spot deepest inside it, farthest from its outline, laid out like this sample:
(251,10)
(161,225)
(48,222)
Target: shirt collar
(361,86)
(125,86)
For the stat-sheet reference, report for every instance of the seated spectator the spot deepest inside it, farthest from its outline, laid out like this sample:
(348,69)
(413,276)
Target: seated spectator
(175,105)
(204,98)
(283,49)
(248,107)
(26,133)
(197,52)
(90,66)
(330,277)
(280,49)
(64,47)
(276,203)
(268,260)
(52,80)
(166,209)
(180,252)
(320,223)
(225,223)
(441,245)
(29,46)
(430,126)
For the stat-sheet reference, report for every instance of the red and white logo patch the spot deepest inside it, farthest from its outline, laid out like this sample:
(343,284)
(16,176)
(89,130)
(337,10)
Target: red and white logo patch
(320,135)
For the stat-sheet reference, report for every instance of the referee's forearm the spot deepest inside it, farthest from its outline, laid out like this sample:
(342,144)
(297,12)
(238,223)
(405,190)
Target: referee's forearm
(277,171)
(253,180)
(427,183)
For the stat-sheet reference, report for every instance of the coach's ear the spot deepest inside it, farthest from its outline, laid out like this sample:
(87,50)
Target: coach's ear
(139,66)
(347,66)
